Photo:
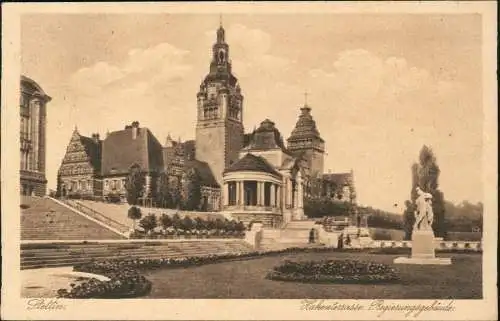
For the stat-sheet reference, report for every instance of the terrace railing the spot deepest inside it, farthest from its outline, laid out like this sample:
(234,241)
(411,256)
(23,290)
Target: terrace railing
(97,215)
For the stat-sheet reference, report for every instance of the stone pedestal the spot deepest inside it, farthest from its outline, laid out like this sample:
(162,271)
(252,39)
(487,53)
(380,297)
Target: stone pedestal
(423,250)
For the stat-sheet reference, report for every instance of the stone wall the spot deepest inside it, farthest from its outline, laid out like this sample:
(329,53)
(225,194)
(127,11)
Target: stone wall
(210,148)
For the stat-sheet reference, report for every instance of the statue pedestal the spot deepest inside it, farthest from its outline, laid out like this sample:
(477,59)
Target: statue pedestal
(422,250)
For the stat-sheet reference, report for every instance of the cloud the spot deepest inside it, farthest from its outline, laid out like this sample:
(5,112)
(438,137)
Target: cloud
(162,62)
(382,111)
(253,47)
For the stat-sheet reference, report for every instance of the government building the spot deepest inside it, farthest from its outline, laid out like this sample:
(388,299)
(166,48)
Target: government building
(249,176)
(33,112)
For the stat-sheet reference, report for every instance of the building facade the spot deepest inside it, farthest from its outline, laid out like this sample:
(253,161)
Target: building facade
(79,173)
(253,176)
(267,182)
(33,113)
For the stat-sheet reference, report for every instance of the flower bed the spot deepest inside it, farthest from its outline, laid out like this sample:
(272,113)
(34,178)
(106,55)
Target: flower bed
(127,281)
(123,283)
(334,271)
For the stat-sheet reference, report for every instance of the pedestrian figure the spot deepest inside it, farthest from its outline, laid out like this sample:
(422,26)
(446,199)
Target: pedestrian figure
(311,236)
(340,242)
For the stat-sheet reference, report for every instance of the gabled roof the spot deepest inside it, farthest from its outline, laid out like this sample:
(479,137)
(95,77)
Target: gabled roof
(252,163)
(203,171)
(92,148)
(120,151)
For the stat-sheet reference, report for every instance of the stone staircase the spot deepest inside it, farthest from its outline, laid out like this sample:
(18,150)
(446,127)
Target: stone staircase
(68,254)
(46,219)
(294,234)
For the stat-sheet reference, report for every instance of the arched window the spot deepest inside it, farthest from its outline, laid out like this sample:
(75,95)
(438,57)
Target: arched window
(221,56)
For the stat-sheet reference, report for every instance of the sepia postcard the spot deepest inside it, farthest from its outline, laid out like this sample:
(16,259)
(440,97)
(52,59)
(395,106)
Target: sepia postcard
(249,161)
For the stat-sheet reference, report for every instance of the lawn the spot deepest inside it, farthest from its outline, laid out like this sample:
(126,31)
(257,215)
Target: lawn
(246,280)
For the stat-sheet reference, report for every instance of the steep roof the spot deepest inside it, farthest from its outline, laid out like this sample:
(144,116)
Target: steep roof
(305,126)
(120,151)
(340,179)
(203,171)
(267,136)
(93,150)
(252,163)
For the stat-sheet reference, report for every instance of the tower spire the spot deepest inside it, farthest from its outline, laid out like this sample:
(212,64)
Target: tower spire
(220,20)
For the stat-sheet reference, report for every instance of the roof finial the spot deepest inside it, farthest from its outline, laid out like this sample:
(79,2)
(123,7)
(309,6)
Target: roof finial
(305,97)
(220,20)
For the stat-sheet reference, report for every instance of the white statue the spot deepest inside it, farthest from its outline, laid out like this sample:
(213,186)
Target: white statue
(423,214)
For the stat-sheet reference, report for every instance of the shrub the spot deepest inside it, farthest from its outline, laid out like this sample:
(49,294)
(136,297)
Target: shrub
(134,213)
(149,223)
(166,221)
(187,223)
(333,271)
(114,198)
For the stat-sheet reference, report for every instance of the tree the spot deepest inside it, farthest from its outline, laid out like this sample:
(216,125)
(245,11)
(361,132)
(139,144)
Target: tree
(174,188)
(162,194)
(166,221)
(408,219)
(153,188)
(134,213)
(136,180)
(149,223)
(191,190)
(325,206)
(176,222)
(425,174)
(59,190)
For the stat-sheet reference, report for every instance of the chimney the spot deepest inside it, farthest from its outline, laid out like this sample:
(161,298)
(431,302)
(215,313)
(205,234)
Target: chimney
(135,127)
(95,137)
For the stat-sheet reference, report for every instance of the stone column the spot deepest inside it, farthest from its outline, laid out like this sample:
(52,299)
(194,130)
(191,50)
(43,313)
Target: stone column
(300,191)
(295,196)
(299,212)
(242,193)
(34,117)
(278,196)
(238,202)
(289,192)
(225,194)
(273,195)
(262,194)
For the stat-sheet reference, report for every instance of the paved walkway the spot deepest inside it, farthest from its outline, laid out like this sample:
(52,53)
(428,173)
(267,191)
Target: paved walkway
(44,283)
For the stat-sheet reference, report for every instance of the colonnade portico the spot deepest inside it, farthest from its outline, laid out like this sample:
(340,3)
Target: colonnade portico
(260,194)
(252,193)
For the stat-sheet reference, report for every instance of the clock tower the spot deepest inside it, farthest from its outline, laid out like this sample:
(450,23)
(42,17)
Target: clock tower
(219,128)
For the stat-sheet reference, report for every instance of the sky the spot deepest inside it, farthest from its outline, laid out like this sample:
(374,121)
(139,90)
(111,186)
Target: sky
(380,86)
